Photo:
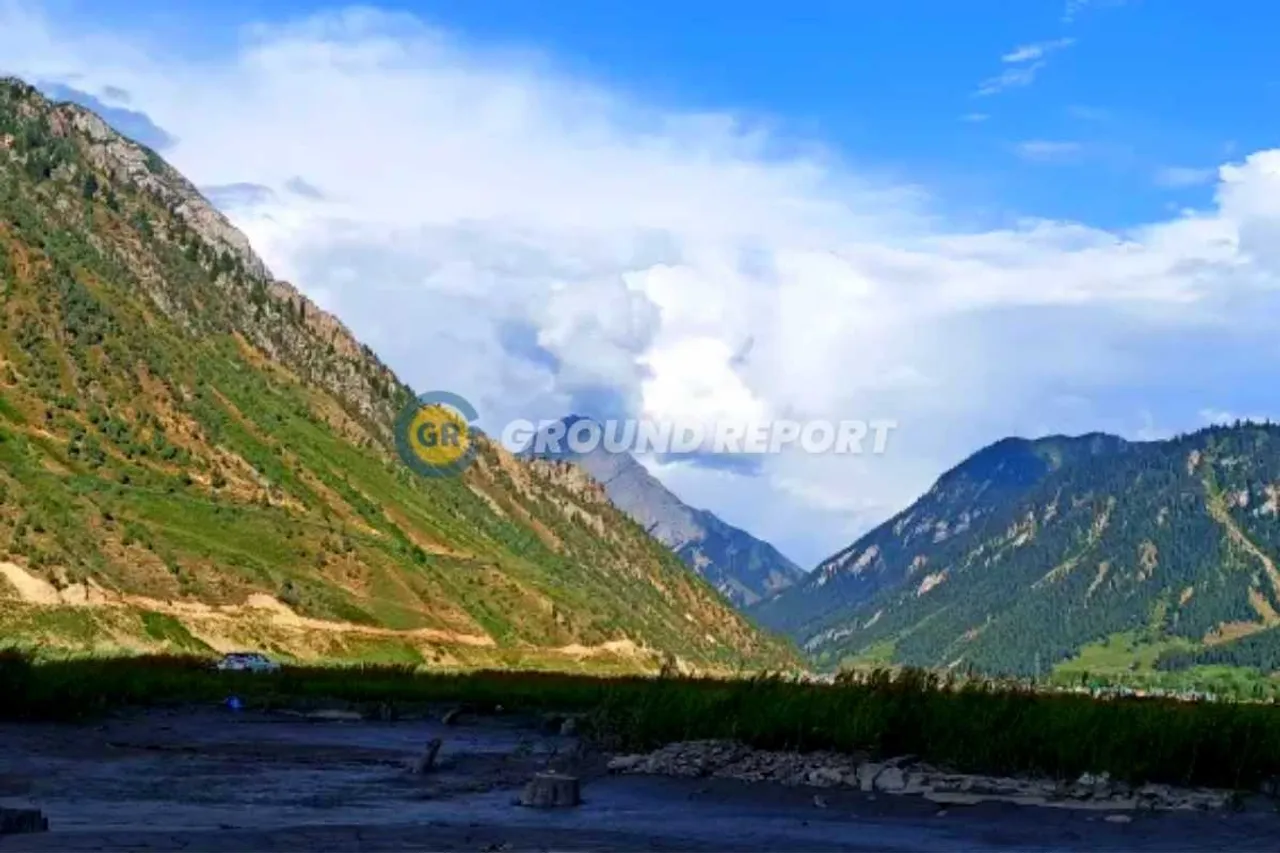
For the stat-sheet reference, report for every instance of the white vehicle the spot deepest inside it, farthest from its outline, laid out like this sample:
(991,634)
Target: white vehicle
(247,662)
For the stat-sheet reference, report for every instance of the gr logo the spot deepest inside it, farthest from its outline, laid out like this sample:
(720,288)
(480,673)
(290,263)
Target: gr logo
(434,435)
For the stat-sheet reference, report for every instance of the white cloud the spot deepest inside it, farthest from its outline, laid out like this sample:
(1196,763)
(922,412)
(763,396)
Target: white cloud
(1037,50)
(1178,177)
(1026,61)
(532,240)
(1224,418)
(975,118)
(1016,77)
(1048,151)
(1082,112)
(1073,8)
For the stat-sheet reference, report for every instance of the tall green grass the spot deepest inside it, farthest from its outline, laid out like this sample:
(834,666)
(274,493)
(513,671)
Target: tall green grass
(975,727)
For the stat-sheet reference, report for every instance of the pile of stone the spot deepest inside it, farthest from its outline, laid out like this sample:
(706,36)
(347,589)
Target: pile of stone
(906,775)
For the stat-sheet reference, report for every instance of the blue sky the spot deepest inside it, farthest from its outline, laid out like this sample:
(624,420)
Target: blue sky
(976,219)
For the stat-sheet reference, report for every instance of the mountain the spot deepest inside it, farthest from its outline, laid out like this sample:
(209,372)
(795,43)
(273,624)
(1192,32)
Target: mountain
(744,568)
(1058,551)
(883,558)
(193,455)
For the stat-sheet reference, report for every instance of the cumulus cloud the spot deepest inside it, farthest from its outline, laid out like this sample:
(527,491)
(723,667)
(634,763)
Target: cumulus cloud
(542,245)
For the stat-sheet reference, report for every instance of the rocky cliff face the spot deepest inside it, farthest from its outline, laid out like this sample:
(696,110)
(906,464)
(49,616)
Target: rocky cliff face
(319,344)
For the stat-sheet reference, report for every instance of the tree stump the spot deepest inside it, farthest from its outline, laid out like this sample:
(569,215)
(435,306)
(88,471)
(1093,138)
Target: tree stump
(427,761)
(551,790)
(16,821)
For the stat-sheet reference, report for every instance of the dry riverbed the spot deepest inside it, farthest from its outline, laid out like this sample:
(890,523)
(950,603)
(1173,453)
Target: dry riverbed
(213,779)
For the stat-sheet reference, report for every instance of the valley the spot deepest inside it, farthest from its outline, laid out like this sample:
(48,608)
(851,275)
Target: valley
(274,279)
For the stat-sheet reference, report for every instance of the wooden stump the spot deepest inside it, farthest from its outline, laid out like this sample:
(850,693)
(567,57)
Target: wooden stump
(551,790)
(16,821)
(427,761)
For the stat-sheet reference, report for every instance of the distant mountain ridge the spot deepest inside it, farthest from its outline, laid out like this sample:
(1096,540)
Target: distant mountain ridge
(745,569)
(881,558)
(1030,551)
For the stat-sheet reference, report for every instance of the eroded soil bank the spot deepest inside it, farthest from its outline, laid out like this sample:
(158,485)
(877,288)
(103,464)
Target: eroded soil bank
(212,779)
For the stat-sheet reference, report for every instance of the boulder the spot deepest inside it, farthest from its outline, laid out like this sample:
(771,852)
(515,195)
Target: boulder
(627,763)
(824,777)
(890,780)
(551,790)
(867,774)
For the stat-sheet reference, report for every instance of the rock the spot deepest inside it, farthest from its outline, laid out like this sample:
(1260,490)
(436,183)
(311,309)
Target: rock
(551,790)
(917,783)
(890,780)
(820,801)
(824,777)
(902,761)
(21,821)
(427,761)
(905,775)
(569,727)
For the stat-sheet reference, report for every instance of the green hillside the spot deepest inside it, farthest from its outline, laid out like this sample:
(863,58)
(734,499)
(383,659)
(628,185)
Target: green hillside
(192,455)
(1077,554)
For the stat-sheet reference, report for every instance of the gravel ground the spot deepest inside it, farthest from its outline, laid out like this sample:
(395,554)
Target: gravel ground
(210,779)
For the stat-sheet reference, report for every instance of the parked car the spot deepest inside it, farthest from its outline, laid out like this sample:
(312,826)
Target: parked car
(247,662)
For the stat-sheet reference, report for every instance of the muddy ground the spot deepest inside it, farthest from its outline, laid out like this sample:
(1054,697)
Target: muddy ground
(217,780)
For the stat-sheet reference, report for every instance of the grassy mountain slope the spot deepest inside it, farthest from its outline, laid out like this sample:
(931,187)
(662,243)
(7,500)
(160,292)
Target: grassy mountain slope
(1029,552)
(192,454)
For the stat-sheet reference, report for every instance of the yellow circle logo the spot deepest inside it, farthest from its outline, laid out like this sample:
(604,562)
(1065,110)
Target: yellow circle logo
(434,434)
